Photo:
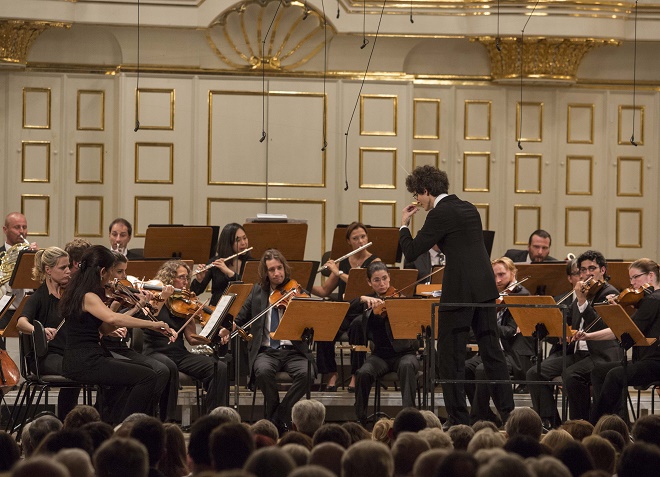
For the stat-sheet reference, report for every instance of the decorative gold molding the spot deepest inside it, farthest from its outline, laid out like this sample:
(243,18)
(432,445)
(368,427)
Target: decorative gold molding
(37,197)
(474,155)
(88,198)
(101,147)
(566,229)
(469,102)
(298,32)
(170,126)
(170,146)
(393,152)
(17,37)
(24,146)
(395,114)
(101,126)
(519,113)
(543,59)
(619,167)
(517,188)
(436,134)
(27,91)
(138,198)
(639,138)
(420,152)
(569,159)
(519,208)
(391,203)
(486,208)
(640,213)
(569,138)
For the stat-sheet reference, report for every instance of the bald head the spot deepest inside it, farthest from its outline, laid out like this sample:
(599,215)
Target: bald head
(15,228)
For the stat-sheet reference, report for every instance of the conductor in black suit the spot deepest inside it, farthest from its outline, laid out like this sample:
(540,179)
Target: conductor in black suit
(455,226)
(538,249)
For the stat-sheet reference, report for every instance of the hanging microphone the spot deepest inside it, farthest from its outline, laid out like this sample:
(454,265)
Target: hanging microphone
(306,14)
(137,127)
(497,44)
(632,140)
(337,10)
(346,187)
(325,145)
(365,42)
(520,146)
(411,19)
(263,136)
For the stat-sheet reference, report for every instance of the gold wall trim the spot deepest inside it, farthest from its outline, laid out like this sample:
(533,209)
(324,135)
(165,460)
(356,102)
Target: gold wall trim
(366,185)
(475,155)
(468,103)
(486,208)
(517,187)
(395,114)
(101,126)
(539,135)
(25,198)
(48,106)
(570,107)
(639,126)
(567,214)
(28,144)
(88,198)
(209,163)
(422,152)
(623,210)
(436,134)
(170,126)
(89,145)
(277,200)
(520,208)
(18,36)
(391,203)
(138,198)
(170,146)
(619,167)
(571,158)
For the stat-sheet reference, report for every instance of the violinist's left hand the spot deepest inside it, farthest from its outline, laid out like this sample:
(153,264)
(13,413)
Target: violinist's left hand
(611,298)
(166,292)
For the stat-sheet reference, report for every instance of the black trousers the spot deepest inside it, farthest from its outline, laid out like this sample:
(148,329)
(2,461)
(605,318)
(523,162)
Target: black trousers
(576,382)
(67,398)
(269,361)
(479,394)
(325,350)
(608,380)
(406,367)
(453,330)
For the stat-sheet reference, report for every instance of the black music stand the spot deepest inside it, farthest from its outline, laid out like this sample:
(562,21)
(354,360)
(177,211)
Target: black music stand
(302,271)
(5,303)
(187,242)
(21,276)
(289,238)
(306,319)
(545,278)
(357,284)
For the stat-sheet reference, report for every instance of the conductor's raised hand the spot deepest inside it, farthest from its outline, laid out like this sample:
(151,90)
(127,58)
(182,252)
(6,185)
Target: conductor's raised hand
(407,214)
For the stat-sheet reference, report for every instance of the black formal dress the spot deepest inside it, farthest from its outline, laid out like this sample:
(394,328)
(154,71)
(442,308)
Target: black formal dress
(388,355)
(267,358)
(87,362)
(207,369)
(608,378)
(576,378)
(455,226)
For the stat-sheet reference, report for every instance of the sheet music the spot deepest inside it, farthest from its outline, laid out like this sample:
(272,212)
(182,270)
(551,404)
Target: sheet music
(5,301)
(219,312)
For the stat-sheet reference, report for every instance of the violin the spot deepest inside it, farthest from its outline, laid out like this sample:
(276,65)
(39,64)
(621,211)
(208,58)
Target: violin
(513,287)
(591,287)
(279,298)
(390,293)
(632,296)
(182,305)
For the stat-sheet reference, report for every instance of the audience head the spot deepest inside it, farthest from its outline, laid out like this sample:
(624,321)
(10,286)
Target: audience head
(77,461)
(370,458)
(409,419)
(510,465)
(481,424)
(99,432)
(149,431)
(356,431)
(602,452)
(405,450)
(485,439)
(484,456)
(525,446)
(612,422)
(66,439)
(556,437)
(307,415)
(437,438)
(38,430)
(295,437)
(382,431)
(458,463)
(427,463)
(574,456)
(312,471)
(298,452)
(43,467)
(639,459)
(328,455)
(228,413)
(231,444)
(547,466)
(131,453)
(80,415)
(332,433)
(199,453)
(264,427)
(525,421)
(173,462)
(615,439)
(270,462)
(578,428)
(461,435)
(431,419)
(647,429)
(10,453)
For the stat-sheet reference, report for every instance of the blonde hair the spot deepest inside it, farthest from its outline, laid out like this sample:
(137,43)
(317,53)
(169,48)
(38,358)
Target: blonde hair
(507,262)
(46,257)
(381,429)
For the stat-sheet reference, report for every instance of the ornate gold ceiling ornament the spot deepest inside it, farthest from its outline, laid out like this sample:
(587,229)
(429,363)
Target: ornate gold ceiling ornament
(17,37)
(237,34)
(544,59)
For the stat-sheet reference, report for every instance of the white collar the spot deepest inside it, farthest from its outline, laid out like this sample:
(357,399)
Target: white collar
(439,198)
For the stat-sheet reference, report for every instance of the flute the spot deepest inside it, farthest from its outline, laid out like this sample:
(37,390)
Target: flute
(210,265)
(359,249)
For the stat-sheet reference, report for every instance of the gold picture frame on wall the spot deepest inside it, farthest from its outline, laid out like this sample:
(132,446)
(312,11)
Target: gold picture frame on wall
(364,98)
(362,178)
(570,123)
(466,120)
(77,228)
(624,140)
(419,101)
(538,137)
(172,101)
(48,112)
(101,120)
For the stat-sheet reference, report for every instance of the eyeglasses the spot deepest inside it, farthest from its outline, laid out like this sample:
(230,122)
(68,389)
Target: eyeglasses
(415,196)
(634,277)
(182,277)
(590,269)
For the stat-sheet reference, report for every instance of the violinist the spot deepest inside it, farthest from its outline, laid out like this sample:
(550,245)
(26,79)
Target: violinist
(232,240)
(517,348)
(207,369)
(608,378)
(86,315)
(51,267)
(580,356)
(266,355)
(167,384)
(388,354)
(356,236)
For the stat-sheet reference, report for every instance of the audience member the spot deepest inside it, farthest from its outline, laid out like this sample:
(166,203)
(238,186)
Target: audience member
(484,456)
(10,453)
(124,429)
(327,455)
(647,429)
(38,429)
(525,421)
(485,439)
(437,438)
(298,452)
(481,424)
(270,462)
(264,427)
(382,431)
(405,450)
(356,431)
(578,428)
(431,419)
(263,441)
(461,435)
(574,456)
(65,439)
(640,459)
(612,422)
(43,467)
(307,416)
(367,458)
(295,437)
(199,454)
(99,432)
(332,433)
(615,439)
(227,412)
(602,452)
(173,462)
(77,461)
(547,466)
(311,471)
(409,419)
(510,465)
(457,464)
(427,463)
(132,455)
(556,438)
(230,445)
(525,446)
(150,433)
(80,415)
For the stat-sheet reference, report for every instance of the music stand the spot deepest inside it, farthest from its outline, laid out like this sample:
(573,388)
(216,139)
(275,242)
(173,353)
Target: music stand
(289,238)
(437,277)
(545,278)
(618,272)
(306,319)
(10,331)
(302,271)
(21,276)
(187,242)
(148,268)
(385,243)
(357,284)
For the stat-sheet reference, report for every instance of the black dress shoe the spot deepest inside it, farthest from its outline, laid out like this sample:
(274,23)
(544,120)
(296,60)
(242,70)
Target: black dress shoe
(547,425)
(351,389)
(331,389)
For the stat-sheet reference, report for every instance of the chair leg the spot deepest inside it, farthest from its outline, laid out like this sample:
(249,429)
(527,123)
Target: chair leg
(15,411)
(254,400)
